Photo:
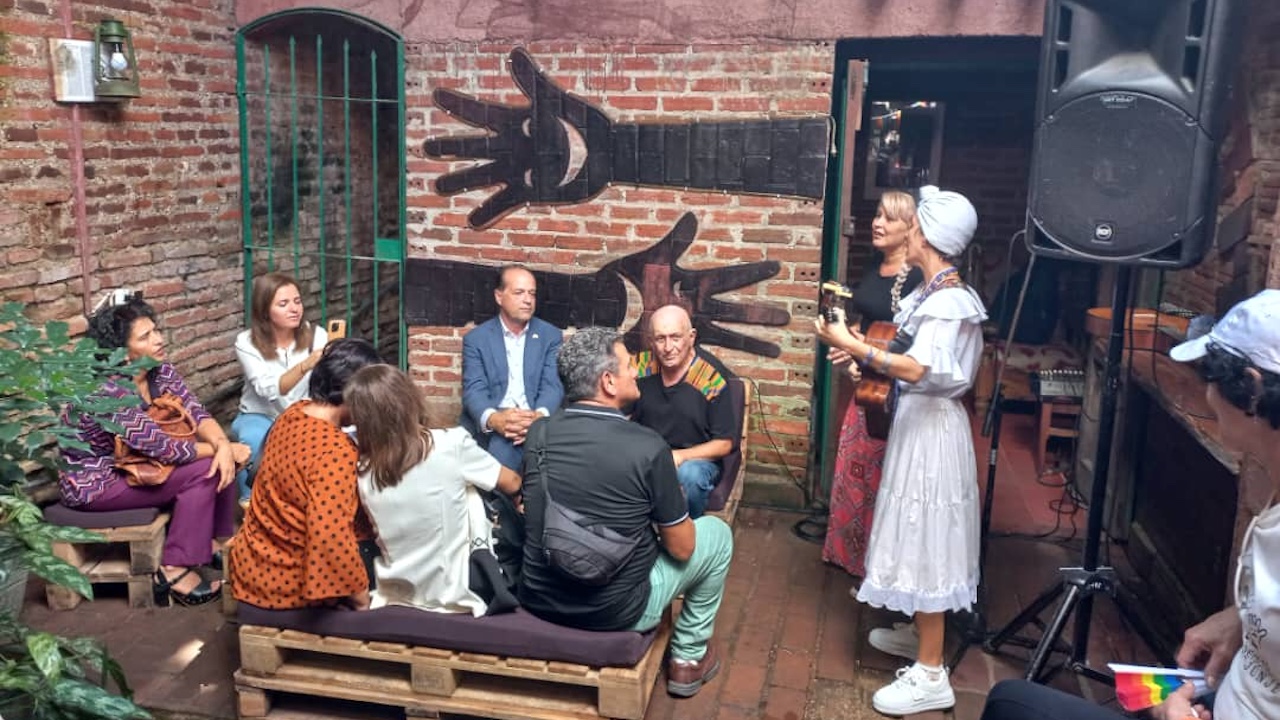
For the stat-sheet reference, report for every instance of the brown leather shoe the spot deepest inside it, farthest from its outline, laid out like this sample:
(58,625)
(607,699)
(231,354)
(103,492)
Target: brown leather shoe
(686,679)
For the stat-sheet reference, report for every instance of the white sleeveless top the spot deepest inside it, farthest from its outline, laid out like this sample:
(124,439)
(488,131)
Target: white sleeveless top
(1251,689)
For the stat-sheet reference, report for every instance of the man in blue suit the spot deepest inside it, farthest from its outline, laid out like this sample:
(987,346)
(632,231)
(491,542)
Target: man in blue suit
(509,376)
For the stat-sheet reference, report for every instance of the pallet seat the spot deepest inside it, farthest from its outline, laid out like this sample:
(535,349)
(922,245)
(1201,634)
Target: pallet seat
(512,665)
(131,553)
(727,494)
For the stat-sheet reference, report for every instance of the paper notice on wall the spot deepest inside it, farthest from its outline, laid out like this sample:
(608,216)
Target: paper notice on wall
(72,69)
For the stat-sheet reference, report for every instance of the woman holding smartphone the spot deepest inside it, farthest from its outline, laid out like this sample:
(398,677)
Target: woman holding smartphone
(277,354)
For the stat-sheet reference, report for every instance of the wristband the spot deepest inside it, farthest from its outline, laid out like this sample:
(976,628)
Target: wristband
(871,356)
(884,363)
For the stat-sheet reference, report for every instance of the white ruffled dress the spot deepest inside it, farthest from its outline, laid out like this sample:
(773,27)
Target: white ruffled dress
(923,551)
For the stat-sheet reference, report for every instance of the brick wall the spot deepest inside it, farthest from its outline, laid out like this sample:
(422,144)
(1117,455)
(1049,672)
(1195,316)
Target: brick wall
(638,83)
(161,176)
(1250,170)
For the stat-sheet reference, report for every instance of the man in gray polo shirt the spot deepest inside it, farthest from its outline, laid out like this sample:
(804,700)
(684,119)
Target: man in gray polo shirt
(621,475)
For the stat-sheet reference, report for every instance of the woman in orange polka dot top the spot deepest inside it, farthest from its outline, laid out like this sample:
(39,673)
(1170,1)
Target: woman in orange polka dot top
(298,545)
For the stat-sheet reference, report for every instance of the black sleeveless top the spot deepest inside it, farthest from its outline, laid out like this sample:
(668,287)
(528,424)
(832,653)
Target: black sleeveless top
(872,297)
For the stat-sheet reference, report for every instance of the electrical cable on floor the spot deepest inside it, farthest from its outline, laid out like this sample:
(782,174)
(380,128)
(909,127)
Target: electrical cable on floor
(1065,506)
(812,528)
(764,427)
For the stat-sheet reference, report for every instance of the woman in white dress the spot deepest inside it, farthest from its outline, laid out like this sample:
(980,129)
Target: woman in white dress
(922,558)
(277,354)
(420,487)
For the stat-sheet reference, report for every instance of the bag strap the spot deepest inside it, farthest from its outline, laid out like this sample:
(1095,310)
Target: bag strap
(152,390)
(540,459)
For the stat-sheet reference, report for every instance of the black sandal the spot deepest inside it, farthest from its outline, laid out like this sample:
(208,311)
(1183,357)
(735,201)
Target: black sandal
(199,595)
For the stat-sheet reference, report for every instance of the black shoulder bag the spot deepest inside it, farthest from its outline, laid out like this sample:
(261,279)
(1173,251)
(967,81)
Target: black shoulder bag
(588,554)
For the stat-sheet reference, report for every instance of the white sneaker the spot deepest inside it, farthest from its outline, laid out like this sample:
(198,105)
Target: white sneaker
(915,692)
(902,640)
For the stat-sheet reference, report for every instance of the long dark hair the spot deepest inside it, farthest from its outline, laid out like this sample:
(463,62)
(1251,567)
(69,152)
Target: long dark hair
(1238,383)
(390,414)
(261,331)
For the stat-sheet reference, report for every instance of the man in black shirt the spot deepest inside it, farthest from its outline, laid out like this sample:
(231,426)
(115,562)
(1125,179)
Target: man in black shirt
(682,397)
(621,475)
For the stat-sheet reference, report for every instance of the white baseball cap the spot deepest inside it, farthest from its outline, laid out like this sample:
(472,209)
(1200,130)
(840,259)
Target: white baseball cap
(1250,329)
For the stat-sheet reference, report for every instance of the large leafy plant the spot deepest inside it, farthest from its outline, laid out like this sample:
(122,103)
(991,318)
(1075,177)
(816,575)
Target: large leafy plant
(44,373)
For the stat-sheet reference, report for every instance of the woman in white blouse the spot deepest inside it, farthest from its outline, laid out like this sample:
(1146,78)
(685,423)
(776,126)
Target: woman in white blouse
(277,354)
(420,487)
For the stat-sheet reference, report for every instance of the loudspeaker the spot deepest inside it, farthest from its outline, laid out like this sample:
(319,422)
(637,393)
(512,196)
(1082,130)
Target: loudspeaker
(1130,111)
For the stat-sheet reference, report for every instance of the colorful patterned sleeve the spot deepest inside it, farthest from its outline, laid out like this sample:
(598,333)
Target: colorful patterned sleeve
(142,434)
(168,380)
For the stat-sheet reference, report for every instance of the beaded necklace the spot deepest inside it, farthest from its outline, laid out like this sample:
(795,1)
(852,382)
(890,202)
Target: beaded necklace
(945,278)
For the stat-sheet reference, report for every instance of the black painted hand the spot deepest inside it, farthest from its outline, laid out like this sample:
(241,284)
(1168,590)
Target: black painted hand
(532,150)
(661,281)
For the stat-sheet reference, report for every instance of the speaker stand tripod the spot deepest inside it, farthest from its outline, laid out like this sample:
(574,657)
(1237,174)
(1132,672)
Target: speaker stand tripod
(1079,585)
(974,631)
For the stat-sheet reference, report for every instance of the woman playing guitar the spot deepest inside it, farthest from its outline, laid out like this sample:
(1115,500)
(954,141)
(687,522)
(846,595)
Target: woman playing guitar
(860,451)
(922,557)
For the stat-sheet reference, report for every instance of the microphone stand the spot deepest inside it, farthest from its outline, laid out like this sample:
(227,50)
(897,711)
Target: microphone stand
(1078,585)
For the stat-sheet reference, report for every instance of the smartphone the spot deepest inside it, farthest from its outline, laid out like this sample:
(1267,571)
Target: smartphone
(336,329)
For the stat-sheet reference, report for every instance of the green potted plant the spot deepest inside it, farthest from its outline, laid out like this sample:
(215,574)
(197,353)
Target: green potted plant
(42,373)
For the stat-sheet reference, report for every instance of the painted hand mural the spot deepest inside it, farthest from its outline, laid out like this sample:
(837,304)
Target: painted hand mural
(560,149)
(662,281)
(600,298)
(530,148)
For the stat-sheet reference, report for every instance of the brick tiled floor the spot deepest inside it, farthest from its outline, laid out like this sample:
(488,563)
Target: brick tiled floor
(793,640)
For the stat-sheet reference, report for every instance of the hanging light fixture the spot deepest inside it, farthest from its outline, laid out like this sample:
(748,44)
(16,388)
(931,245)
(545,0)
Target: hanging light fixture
(115,75)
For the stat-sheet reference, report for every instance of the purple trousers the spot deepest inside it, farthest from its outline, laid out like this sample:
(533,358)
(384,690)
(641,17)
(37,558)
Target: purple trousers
(200,512)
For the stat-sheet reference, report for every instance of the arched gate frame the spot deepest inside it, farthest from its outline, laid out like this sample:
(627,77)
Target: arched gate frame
(322,130)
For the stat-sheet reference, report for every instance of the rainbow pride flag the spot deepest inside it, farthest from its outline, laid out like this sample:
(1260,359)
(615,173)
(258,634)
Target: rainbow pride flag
(1139,687)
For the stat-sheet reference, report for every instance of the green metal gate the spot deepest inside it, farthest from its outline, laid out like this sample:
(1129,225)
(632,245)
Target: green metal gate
(322,158)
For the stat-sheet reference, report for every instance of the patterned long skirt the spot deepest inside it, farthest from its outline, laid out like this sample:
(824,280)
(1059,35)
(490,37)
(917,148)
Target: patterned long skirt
(856,480)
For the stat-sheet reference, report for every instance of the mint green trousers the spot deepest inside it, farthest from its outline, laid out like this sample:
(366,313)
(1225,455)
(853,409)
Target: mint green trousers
(700,580)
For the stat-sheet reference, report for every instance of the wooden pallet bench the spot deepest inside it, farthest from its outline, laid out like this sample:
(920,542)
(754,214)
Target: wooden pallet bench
(424,680)
(130,555)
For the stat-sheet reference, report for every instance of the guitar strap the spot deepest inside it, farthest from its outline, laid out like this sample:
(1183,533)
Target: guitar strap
(903,340)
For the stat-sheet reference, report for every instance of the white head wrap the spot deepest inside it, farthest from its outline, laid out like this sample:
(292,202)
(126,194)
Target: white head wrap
(947,219)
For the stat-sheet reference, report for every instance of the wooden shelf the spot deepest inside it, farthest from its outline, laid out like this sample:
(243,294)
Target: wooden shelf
(1178,389)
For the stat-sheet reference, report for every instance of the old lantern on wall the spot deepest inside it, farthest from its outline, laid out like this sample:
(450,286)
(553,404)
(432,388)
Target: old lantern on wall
(115,75)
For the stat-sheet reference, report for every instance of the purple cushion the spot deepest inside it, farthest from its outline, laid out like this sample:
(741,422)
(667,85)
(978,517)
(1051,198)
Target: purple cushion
(731,462)
(516,634)
(60,514)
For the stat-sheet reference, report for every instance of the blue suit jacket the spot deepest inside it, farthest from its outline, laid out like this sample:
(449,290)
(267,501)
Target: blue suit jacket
(484,369)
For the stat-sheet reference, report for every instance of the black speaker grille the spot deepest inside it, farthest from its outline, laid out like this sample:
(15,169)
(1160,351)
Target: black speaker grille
(1113,174)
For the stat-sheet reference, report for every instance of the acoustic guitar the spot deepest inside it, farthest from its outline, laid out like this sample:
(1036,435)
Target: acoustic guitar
(873,392)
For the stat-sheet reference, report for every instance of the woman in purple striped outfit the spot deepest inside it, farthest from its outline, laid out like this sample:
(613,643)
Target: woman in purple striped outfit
(201,488)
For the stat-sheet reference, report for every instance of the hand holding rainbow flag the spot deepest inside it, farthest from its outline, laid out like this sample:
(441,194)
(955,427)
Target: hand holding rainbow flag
(1139,687)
